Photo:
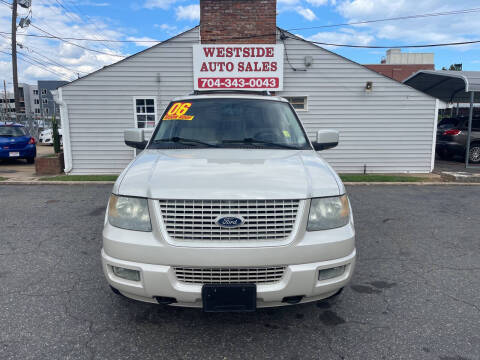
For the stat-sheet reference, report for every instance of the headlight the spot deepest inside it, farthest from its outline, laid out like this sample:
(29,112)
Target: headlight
(129,213)
(328,213)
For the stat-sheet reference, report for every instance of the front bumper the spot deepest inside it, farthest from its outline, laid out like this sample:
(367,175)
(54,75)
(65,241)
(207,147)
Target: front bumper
(450,146)
(160,280)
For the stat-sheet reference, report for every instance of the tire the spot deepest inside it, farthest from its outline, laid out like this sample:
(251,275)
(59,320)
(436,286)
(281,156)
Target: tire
(474,155)
(30,160)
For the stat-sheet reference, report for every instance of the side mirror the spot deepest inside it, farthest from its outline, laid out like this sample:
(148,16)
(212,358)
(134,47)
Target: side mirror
(135,138)
(326,139)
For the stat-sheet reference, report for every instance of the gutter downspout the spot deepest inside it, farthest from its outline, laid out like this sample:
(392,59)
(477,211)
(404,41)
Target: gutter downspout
(434,139)
(67,148)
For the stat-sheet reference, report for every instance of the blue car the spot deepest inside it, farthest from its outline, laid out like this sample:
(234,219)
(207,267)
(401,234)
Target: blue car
(15,143)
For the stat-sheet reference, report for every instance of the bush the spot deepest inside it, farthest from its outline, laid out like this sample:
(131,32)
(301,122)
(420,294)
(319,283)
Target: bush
(56,135)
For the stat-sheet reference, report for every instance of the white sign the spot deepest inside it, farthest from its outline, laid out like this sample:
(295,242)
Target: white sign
(248,67)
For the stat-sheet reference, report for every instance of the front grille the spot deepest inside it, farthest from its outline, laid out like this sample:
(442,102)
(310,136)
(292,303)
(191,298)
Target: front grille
(259,275)
(195,219)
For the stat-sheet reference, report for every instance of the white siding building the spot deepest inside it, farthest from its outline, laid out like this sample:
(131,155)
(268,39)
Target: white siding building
(388,129)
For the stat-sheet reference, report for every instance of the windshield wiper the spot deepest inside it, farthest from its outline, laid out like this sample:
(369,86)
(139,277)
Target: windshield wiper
(252,141)
(177,139)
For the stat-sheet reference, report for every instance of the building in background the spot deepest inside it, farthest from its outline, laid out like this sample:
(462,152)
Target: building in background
(7,106)
(29,100)
(36,101)
(47,105)
(399,65)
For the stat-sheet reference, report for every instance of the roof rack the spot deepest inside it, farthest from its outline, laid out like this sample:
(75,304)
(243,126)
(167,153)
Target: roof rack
(233,91)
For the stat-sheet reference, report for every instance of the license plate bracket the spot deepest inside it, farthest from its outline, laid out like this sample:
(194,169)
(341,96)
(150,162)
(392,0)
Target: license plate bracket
(229,297)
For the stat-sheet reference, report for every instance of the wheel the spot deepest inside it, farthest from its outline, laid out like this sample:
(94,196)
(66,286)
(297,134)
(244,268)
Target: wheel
(30,160)
(474,155)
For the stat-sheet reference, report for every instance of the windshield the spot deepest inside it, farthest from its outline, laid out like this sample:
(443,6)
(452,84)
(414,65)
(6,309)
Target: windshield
(12,131)
(229,123)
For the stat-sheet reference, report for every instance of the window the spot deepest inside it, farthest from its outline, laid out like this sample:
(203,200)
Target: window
(35,92)
(36,101)
(298,102)
(45,111)
(230,123)
(44,101)
(145,112)
(12,131)
(37,111)
(44,91)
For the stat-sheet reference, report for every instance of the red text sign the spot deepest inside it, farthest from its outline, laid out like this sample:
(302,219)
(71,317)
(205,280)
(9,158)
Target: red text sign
(253,67)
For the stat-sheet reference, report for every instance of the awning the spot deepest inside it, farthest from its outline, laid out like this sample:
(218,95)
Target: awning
(448,86)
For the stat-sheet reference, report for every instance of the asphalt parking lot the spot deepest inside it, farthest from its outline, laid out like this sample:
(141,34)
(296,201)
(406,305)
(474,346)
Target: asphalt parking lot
(415,293)
(18,169)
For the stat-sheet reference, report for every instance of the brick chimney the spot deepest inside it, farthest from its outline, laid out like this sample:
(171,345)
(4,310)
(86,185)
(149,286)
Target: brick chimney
(222,20)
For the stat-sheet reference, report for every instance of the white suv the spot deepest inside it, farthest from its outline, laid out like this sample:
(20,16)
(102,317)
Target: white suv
(228,208)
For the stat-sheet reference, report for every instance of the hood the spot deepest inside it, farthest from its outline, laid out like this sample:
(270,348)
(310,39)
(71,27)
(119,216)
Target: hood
(228,174)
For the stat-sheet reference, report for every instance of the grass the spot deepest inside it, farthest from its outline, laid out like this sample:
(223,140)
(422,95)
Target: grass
(50,155)
(3,178)
(81,178)
(379,178)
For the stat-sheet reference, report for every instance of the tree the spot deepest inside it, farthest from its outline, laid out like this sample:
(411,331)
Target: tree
(56,136)
(454,67)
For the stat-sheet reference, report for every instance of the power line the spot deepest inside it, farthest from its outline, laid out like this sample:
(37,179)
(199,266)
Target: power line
(454,12)
(52,62)
(90,39)
(82,19)
(39,66)
(71,43)
(253,36)
(66,39)
(390,46)
(406,17)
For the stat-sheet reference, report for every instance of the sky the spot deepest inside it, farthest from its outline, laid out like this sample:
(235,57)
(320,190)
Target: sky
(156,20)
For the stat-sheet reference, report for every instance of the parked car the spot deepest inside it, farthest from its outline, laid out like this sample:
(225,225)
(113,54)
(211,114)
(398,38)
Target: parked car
(46,137)
(16,143)
(229,208)
(452,138)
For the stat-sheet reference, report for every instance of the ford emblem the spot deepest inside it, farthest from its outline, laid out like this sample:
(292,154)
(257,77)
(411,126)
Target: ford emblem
(229,221)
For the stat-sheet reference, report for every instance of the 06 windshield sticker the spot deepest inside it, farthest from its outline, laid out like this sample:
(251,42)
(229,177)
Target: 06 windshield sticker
(178,112)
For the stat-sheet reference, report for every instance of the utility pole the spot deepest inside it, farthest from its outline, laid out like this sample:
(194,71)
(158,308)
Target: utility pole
(16,94)
(5,105)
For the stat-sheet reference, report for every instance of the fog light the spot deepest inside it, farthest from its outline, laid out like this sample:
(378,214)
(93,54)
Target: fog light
(127,274)
(331,273)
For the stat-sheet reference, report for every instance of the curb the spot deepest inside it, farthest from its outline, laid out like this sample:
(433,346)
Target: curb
(37,182)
